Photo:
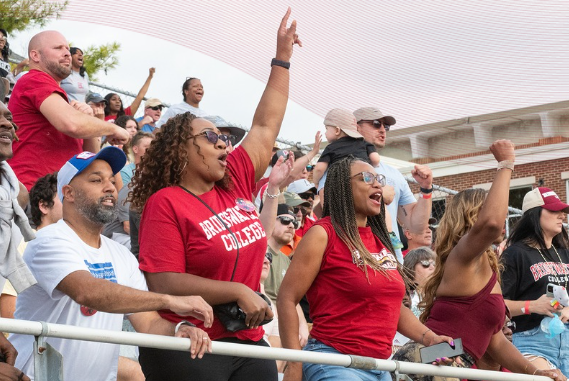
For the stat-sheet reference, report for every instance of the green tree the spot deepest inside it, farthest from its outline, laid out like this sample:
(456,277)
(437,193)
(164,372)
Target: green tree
(18,15)
(102,57)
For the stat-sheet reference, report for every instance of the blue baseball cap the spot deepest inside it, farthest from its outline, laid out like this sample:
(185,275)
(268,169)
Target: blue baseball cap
(74,166)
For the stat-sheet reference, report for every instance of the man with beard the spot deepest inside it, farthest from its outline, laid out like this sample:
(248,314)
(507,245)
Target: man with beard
(88,280)
(51,129)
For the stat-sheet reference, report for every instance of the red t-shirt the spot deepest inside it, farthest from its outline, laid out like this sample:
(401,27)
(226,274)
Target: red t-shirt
(350,314)
(112,118)
(308,222)
(179,234)
(42,149)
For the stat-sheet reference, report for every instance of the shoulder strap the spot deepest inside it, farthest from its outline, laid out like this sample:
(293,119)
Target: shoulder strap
(224,224)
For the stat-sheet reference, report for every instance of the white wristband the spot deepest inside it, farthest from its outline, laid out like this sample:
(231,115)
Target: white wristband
(183,322)
(508,164)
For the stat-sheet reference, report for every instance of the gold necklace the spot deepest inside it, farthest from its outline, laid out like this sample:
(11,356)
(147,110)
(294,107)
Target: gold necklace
(560,261)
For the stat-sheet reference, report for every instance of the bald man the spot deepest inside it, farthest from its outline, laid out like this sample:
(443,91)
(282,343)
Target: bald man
(51,129)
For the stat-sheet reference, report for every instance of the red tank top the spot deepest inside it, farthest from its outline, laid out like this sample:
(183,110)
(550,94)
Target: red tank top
(474,319)
(350,314)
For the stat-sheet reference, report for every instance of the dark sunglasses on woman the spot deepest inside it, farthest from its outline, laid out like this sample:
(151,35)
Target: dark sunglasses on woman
(212,137)
(309,168)
(426,263)
(287,220)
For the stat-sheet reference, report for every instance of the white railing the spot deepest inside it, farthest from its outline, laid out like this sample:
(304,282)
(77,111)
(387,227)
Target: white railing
(44,330)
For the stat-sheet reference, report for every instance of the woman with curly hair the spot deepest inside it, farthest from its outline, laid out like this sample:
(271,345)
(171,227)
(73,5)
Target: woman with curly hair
(354,284)
(463,297)
(200,233)
(114,107)
(77,84)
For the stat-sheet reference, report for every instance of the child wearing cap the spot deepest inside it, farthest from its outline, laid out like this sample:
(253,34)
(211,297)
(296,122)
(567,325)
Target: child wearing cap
(344,138)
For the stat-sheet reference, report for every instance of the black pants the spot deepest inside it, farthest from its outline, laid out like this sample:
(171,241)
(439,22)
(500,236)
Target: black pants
(165,365)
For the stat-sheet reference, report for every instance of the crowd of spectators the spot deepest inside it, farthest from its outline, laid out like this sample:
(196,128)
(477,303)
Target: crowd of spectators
(158,224)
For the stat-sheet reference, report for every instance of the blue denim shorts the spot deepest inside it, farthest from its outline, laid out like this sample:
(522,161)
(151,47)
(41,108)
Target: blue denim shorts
(318,372)
(534,341)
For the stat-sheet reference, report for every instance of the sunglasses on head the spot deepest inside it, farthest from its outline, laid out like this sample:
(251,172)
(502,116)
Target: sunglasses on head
(285,220)
(426,263)
(212,137)
(156,108)
(309,168)
(369,178)
(269,256)
(306,195)
(377,123)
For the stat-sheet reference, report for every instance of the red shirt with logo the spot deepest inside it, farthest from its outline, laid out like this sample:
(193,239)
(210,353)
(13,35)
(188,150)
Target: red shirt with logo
(112,118)
(42,149)
(350,313)
(179,234)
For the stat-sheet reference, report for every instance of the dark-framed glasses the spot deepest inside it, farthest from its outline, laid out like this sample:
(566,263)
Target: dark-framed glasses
(302,210)
(427,263)
(212,137)
(309,167)
(306,195)
(232,139)
(369,178)
(156,108)
(285,220)
(377,123)
(269,256)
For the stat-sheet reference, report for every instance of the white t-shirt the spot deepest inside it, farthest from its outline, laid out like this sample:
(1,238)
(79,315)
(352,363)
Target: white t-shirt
(180,108)
(55,253)
(75,86)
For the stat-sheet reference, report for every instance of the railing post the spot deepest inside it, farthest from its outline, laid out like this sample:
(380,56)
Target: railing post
(47,361)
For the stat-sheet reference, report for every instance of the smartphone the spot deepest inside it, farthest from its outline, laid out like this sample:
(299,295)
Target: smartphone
(432,353)
(549,290)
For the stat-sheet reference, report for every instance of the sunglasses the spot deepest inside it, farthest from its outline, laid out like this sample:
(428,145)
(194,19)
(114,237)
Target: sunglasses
(232,139)
(426,263)
(212,137)
(369,178)
(297,209)
(287,220)
(156,108)
(309,168)
(306,195)
(511,324)
(269,256)
(377,123)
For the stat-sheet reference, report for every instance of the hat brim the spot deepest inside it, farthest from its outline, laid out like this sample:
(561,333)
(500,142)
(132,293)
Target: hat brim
(239,133)
(114,156)
(300,202)
(557,207)
(389,120)
(353,134)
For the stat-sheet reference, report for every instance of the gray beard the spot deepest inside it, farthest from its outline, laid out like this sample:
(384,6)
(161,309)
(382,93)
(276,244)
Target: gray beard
(95,211)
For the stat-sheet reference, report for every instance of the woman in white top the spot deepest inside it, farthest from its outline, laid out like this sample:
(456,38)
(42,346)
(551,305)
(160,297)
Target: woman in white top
(77,84)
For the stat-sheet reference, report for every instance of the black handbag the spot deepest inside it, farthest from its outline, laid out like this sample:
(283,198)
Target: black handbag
(230,314)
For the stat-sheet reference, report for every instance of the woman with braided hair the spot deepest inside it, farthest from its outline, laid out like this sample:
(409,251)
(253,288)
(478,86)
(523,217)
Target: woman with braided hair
(346,267)
(463,297)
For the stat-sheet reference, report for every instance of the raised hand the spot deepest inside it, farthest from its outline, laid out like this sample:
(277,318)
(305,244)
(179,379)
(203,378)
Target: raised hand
(151,72)
(423,175)
(503,150)
(194,306)
(281,170)
(286,38)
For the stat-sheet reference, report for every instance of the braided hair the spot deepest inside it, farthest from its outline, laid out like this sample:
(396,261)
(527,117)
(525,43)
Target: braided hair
(339,205)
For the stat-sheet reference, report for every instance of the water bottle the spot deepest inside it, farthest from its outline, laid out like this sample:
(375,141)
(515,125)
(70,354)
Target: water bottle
(552,326)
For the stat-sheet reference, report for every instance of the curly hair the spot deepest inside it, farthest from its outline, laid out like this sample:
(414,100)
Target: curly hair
(460,215)
(165,161)
(339,205)
(43,191)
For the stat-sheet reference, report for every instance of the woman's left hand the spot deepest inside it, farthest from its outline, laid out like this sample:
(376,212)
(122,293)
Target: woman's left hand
(199,338)
(436,339)
(555,374)
(564,315)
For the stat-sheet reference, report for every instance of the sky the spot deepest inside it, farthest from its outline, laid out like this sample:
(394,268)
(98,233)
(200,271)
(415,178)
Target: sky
(420,61)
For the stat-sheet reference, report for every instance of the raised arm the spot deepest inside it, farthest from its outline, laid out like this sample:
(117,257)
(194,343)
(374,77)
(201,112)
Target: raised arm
(303,161)
(270,112)
(75,123)
(278,176)
(492,216)
(416,214)
(143,90)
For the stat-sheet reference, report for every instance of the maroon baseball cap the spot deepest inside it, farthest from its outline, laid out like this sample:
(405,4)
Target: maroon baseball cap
(546,198)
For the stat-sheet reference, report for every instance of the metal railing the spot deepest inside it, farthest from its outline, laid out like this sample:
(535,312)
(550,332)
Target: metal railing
(42,330)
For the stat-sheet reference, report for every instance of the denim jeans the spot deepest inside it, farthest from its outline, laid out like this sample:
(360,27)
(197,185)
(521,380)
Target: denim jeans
(534,341)
(319,372)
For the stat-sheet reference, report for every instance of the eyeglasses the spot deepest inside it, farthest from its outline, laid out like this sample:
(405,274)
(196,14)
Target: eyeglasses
(269,256)
(309,168)
(511,324)
(306,195)
(212,137)
(297,209)
(369,177)
(287,220)
(377,123)
(156,108)
(426,263)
